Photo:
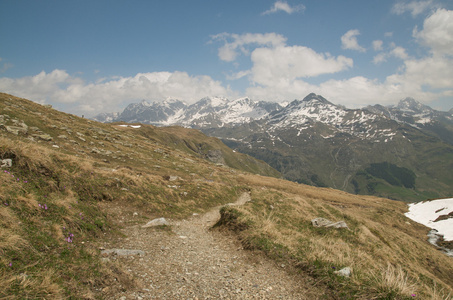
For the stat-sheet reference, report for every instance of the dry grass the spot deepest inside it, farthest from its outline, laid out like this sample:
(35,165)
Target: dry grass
(394,281)
(388,253)
(40,286)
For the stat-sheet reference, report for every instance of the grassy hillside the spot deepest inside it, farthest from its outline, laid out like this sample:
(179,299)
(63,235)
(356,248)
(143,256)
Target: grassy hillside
(387,253)
(66,169)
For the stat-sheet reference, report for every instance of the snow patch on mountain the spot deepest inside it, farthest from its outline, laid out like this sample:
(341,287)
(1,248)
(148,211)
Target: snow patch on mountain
(436,214)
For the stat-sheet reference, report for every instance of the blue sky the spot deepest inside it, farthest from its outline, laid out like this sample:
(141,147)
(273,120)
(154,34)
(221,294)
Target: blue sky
(87,57)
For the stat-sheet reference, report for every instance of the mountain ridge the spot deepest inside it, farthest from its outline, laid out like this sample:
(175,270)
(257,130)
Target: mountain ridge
(316,142)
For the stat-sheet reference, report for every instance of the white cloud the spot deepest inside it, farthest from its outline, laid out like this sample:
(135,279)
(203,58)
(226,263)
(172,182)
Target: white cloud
(414,7)
(352,92)
(287,63)
(284,6)
(431,72)
(399,52)
(429,77)
(349,41)
(236,43)
(377,45)
(435,71)
(395,51)
(380,58)
(73,94)
(5,66)
(238,75)
(437,32)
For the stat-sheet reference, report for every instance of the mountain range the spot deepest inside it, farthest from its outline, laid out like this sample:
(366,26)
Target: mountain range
(402,152)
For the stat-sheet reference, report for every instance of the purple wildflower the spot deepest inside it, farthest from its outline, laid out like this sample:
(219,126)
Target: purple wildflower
(45,206)
(10,264)
(69,238)
(413,295)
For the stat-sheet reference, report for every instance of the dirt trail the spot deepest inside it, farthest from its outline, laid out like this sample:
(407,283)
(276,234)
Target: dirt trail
(192,262)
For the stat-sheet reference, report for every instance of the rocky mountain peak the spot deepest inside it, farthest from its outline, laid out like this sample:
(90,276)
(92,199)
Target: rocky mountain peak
(313,98)
(145,103)
(411,105)
(214,101)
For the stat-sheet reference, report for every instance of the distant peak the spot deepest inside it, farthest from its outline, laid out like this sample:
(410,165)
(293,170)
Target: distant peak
(407,102)
(313,96)
(412,104)
(145,103)
(310,96)
(215,101)
(172,100)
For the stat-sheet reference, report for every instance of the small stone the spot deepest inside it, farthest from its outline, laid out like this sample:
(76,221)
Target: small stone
(345,272)
(44,137)
(6,163)
(156,222)
(173,178)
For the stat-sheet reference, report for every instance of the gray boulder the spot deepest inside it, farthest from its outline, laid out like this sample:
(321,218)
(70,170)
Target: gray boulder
(321,222)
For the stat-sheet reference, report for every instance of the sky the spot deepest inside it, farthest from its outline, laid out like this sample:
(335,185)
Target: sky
(91,56)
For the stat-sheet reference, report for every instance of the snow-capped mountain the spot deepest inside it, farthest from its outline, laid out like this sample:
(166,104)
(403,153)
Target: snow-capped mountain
(423,117)
(403,151)
(159,112)
(411,112)
(313,109)
(206,113)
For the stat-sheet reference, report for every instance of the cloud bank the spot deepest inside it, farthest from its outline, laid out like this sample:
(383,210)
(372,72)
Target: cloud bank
(72,94)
